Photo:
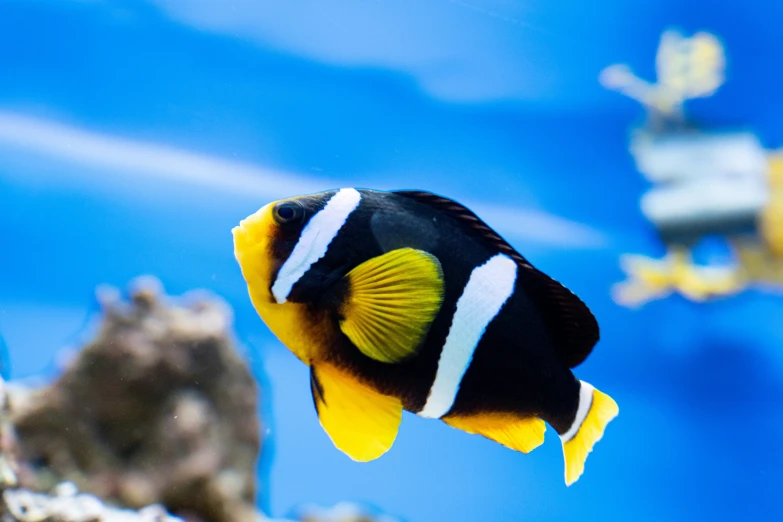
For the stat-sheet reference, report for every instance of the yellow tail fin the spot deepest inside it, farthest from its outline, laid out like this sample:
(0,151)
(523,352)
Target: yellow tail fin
(595,411)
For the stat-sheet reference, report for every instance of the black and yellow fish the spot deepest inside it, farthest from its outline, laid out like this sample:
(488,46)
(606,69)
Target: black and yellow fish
(407,301)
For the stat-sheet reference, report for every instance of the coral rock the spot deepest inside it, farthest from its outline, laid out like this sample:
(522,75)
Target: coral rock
(158,408)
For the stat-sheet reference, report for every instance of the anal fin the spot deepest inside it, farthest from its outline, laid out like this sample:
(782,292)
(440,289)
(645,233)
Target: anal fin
(518,433)
(361,422)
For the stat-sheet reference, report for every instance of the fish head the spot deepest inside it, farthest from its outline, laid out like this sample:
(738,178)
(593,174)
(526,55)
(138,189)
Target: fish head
(260,241)
(273,247)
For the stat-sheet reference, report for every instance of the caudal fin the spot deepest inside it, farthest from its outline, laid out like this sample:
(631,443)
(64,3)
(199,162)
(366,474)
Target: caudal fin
(595,411)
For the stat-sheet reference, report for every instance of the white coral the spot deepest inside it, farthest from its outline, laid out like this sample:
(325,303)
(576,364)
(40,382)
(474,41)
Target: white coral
(66,504)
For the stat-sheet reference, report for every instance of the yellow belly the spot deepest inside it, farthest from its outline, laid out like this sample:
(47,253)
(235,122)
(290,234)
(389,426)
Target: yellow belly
(306,336)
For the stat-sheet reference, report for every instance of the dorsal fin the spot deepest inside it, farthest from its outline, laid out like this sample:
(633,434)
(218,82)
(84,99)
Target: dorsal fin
(572,326)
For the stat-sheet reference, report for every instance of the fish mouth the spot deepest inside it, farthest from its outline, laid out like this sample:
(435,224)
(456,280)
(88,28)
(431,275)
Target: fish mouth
(251,238)
(249,234)
(241,239)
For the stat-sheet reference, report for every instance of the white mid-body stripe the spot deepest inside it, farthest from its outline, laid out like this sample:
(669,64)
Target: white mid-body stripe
(314,240)
(488,288)
(585,401)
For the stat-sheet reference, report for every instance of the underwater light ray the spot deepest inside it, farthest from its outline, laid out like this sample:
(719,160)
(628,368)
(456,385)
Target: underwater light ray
(138,158)
(151,159)
(489,13)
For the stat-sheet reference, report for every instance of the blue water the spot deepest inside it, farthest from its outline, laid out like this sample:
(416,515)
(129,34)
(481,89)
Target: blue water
(134,135)
(5,360)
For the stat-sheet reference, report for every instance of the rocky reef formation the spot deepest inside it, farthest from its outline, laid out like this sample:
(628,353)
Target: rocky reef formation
(159,408)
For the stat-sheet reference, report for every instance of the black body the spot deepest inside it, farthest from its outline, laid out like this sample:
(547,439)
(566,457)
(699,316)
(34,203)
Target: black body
(522,363)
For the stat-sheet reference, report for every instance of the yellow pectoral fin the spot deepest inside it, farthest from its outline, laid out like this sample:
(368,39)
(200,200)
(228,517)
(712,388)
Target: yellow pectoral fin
(391,302)
(518,433)
(361,422)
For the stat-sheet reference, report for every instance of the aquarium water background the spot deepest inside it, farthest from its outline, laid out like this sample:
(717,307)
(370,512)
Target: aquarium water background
(134,135)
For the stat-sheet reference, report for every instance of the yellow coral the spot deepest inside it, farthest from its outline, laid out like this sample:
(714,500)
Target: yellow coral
(650,279)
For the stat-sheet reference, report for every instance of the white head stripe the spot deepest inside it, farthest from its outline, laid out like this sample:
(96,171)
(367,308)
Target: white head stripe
(314,240)
(488,288)
(585,401)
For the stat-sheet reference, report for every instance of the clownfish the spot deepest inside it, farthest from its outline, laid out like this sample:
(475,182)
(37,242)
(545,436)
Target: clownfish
(406,300)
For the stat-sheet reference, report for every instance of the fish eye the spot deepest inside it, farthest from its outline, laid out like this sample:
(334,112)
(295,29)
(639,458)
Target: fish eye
(288,212)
